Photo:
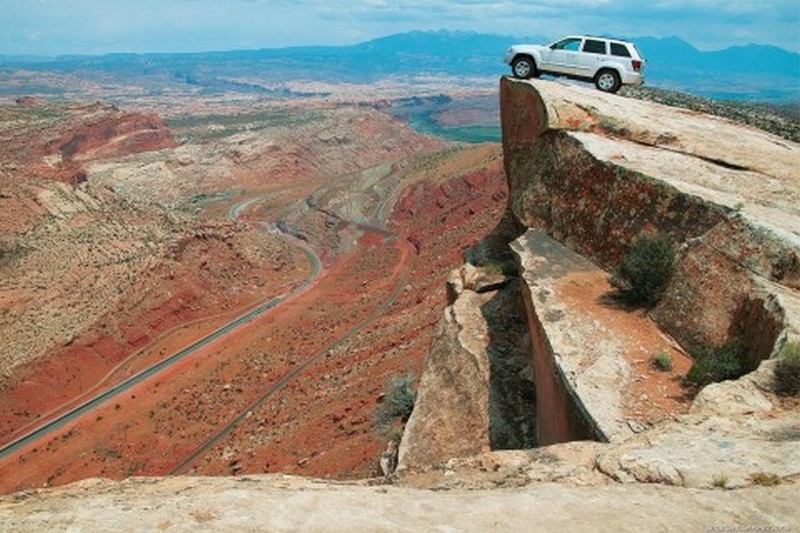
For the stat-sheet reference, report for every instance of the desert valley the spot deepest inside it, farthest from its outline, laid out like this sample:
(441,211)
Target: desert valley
(210,275)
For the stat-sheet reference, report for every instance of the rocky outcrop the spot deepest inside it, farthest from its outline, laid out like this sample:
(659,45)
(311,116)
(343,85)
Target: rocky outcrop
(590,173)
(279,503)
(452,414)
(476,393)
(598,171)
(578,366)
(114,135)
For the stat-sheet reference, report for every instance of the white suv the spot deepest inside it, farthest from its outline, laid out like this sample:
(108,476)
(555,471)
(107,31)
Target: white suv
(609,63)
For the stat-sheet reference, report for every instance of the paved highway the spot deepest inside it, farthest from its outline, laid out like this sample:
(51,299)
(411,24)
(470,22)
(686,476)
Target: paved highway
(184,466)
(116,390)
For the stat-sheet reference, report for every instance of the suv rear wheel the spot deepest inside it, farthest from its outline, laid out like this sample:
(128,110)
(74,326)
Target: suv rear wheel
(608,81)
(524,67)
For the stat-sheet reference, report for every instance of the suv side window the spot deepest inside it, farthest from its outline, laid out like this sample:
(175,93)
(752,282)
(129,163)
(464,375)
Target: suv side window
(593,46)
(621,50)
(567,44)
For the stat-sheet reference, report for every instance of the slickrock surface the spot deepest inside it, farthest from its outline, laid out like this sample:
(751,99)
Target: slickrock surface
(597,171)
(293,504)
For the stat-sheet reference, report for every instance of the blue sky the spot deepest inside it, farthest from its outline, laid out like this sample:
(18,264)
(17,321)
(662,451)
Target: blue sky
(51,27)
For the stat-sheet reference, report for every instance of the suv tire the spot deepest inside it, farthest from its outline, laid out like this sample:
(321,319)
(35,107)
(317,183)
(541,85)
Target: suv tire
(524,67)
(607,80)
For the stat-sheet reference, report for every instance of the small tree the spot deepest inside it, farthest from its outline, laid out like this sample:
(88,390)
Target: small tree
(712,365)
(397,404)
(787,370)
(646,270)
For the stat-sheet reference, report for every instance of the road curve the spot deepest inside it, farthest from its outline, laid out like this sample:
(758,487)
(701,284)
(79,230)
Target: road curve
(116,390)
(183,467)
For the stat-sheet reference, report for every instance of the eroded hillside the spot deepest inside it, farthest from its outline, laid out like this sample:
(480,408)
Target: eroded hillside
(90,276)
(588,174)
(161,245)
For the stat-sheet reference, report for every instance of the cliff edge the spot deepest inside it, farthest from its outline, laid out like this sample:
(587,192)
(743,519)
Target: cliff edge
(588,174)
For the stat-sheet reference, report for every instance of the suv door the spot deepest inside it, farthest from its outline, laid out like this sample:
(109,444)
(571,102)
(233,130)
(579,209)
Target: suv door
(562,56)
(593,52)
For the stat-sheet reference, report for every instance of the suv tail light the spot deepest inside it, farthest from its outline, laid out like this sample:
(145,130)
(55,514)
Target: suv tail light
(637,65)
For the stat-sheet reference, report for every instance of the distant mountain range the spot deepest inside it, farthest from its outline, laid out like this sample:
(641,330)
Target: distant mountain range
(753,72)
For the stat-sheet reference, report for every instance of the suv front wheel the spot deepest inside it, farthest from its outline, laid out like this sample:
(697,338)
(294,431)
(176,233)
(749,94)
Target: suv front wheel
(608,81)
(524,67)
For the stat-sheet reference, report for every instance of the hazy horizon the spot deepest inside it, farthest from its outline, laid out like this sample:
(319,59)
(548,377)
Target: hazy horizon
(93,27)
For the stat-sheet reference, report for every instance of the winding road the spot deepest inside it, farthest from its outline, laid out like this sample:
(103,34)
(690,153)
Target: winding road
(116,390)
(184,466)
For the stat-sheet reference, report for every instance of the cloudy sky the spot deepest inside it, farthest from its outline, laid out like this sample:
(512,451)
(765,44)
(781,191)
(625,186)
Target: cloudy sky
(51,27)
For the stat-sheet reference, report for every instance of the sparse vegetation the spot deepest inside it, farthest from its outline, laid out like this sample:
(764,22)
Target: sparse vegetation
(396,406)
(662,361)
(201,128)
(712,365)
(787,370)
(765,479)
(646,270)
(395,434)
(720,481)
(614,126)
(507,267)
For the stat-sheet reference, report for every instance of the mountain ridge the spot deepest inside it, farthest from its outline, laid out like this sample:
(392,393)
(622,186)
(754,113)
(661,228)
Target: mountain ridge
(756,72)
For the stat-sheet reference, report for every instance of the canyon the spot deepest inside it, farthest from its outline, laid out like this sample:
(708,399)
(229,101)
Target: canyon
(536,396)
(254,199)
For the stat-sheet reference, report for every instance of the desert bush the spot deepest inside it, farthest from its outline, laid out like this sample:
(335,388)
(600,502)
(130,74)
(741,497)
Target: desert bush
(712,365)
(720,481)
(646,269)
(662,361)
(507,267)
(787,370)
(397,404)
(765,479)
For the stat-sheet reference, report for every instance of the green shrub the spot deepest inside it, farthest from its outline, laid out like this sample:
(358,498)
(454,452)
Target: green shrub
(646,270)
(506,267)
(397,404)
(765,479)
(662,361)
(712,365)
(720,481)
(787,370)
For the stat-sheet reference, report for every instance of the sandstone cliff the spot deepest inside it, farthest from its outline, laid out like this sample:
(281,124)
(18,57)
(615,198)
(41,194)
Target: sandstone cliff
(588,174)
(597,172)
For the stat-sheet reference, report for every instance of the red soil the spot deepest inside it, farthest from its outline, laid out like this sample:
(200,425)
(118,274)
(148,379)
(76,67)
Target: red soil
(130,340)
(370,317)
(651,395)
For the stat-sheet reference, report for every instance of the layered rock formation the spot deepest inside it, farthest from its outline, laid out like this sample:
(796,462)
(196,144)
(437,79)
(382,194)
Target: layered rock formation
(588,174)
(597,172)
